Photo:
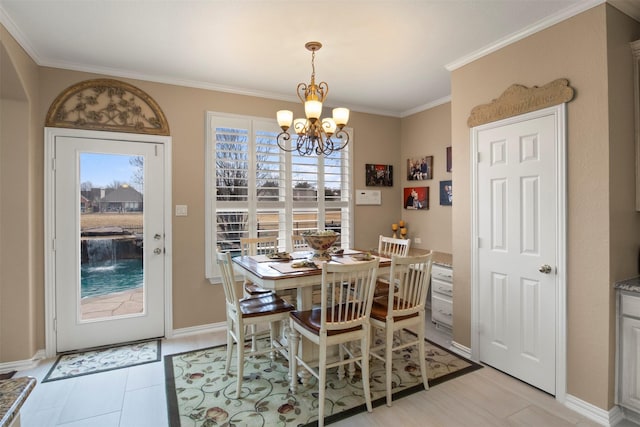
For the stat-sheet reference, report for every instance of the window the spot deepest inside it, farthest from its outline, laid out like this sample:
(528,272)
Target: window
(254,189)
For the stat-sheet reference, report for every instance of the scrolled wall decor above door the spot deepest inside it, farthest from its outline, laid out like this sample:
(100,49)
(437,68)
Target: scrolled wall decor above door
(107,105)
(519,99)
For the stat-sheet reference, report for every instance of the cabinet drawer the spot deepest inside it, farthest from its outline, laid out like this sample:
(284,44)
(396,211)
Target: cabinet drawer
(441,310)
(441,287)
(441,273)
(630,305)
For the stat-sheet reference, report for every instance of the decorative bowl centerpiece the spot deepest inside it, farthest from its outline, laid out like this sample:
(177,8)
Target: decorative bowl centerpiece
(320,242)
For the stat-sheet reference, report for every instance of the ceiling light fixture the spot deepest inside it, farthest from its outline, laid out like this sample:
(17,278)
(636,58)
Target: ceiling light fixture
(314,134)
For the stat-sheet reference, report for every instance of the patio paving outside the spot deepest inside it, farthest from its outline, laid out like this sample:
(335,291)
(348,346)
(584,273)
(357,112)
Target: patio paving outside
(115,304)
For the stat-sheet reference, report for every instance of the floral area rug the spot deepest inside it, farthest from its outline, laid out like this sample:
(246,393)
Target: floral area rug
(199,394)
(105,359)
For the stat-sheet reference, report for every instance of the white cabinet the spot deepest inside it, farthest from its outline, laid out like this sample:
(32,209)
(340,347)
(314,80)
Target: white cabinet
(629,354)
(442,296)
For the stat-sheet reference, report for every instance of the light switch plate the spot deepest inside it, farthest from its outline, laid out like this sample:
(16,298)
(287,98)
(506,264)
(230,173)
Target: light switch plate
(181,210)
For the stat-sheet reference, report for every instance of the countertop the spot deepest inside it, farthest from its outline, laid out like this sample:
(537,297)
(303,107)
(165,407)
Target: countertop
(630,285)
(440,258)
(13,393)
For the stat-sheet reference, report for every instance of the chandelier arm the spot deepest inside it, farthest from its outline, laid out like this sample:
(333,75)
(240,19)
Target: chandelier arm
(301,91)
(323,90)
(343,138)
(282,139)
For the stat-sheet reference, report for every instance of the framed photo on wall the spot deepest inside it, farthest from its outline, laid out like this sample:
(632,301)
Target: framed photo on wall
(379,175)
(448,159)
(446,193)
(420,168)
(416,198)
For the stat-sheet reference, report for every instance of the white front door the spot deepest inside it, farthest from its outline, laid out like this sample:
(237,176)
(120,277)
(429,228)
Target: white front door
(517,259)
(109,241)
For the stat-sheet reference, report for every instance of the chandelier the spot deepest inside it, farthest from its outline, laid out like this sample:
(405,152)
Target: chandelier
(313,133)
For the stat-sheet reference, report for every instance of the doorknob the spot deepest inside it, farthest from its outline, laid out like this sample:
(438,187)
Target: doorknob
(546,269)
(157,251)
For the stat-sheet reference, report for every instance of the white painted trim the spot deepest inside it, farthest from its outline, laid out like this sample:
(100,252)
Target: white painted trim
(598,415)
(426,106)
(50,135)
(460,349)
(200,329)
(23,365)
(559,111)
(567,13)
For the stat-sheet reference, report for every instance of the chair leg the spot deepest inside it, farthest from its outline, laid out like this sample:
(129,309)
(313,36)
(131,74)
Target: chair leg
(229,346)
(240,333)
(364,365)
(388,358)
(422,355)
(294,337)
(252,331)
(322,382)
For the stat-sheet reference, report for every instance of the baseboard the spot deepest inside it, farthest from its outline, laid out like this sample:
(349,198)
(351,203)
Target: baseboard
(200,329)
(601,416)
(23,365)
(460,349)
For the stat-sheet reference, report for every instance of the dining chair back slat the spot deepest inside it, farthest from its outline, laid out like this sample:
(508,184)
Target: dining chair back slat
(389,246)
(258,245)
(348,290)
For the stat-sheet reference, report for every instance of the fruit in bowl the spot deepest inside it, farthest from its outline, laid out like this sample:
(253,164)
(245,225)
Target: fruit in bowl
(320,242)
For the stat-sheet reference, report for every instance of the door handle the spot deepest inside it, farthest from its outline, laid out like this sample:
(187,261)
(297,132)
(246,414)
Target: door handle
(157,251)
(546,269)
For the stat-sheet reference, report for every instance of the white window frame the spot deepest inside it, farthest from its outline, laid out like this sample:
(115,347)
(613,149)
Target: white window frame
(286,204)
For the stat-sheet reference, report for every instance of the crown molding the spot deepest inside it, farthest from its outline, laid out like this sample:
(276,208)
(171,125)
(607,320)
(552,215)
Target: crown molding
(426,106)
(526,32)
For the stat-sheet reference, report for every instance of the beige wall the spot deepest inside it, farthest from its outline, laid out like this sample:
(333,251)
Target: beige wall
(20,183)
(575,49)
(624,220)
(195,301)
(427,133)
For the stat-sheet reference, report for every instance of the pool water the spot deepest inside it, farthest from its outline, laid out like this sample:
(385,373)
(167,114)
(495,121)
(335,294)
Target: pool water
(110,276)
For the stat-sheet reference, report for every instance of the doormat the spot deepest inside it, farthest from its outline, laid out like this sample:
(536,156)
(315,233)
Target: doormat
(199,393)
(88,362)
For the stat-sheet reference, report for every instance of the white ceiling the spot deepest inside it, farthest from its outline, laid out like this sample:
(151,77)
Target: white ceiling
(388,57)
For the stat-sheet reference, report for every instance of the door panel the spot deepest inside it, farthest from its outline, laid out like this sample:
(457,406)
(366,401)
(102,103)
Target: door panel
(109,254)
(517,235)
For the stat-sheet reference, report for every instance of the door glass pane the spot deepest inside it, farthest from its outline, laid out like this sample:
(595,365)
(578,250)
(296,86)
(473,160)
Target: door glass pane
(111,235)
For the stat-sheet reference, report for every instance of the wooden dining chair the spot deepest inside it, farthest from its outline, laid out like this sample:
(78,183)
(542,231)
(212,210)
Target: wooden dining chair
(242,313)
(257,246)
(342,319)
(298,243)
(401,308)
(388,247)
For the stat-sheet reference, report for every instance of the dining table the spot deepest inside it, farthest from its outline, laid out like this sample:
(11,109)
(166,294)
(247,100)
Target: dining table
(287,274)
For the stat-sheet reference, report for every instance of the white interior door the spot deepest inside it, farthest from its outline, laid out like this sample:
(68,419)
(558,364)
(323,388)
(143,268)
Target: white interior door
(109,241)
(517,256)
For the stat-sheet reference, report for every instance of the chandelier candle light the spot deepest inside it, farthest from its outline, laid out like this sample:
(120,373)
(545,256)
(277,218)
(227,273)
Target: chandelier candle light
(314,134)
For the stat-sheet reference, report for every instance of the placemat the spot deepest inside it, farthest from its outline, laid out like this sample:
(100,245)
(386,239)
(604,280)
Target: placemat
(287,268)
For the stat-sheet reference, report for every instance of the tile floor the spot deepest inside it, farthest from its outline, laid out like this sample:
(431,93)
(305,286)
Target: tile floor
(135,397)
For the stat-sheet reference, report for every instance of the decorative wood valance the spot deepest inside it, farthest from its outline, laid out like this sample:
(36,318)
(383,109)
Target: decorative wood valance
(518,99)
(109,105)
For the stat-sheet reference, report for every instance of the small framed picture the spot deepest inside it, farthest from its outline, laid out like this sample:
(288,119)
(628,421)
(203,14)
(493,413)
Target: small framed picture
(416,198)
(379,175)
(420,168)
(448,159)
(446,193)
